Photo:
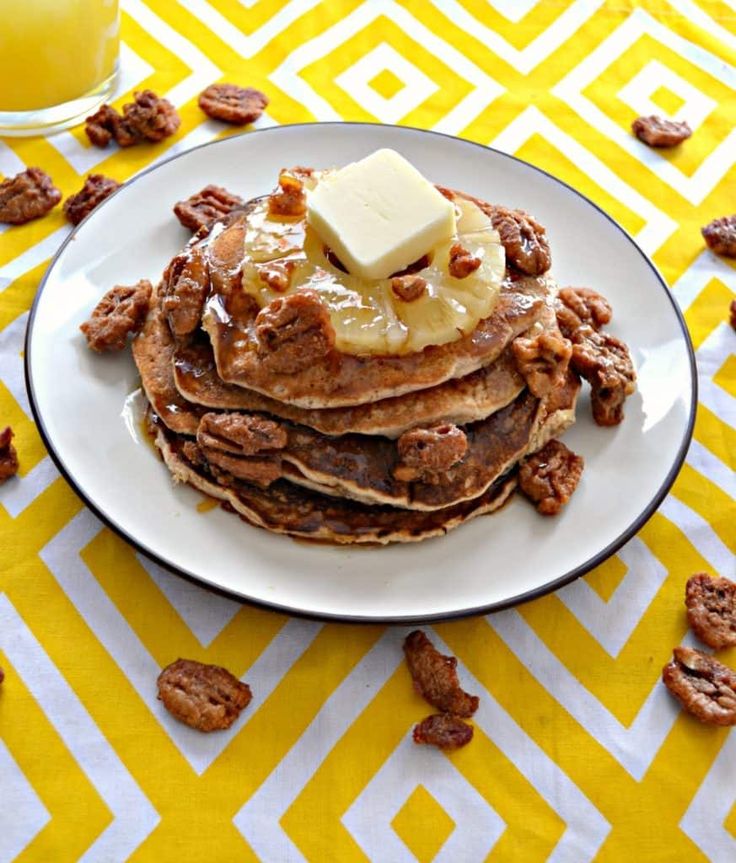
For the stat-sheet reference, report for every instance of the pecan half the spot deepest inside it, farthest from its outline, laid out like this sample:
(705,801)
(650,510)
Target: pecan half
(524,240)
(435,676)
(240,434)
(120,312)
(261,471)
(461,263)
(8,456)
(732,314)
(96,188)
(550,476)
(185,286)
(150,117)
(293,332)
(605,362)
(658,132)
(711,609)
(542,360)
(704,686)
(27,196)
(205,697)
(427,454)
(204,208)
(408,288)
(290,200)
(232,104)
(106,125)
(577,307)
(720,236)
(444,731)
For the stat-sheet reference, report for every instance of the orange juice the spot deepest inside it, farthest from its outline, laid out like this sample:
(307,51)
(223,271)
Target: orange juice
(55,51)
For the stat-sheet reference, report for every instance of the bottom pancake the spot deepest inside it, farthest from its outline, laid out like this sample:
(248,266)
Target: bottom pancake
(288,509)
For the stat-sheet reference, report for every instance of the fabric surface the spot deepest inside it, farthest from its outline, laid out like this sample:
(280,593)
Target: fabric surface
(579,752)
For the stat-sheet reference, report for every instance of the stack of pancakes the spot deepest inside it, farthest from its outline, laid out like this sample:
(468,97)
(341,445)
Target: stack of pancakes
(315,449)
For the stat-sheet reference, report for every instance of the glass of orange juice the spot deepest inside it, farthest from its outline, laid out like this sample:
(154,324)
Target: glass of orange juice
(58,62)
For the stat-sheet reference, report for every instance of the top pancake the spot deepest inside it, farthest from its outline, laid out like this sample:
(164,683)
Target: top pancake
(340,379)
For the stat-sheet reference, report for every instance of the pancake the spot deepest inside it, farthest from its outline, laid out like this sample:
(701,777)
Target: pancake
(153,352)
(335,378)
(286,509)
(459,401)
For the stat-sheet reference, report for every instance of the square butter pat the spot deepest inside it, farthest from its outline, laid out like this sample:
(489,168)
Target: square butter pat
(379,215)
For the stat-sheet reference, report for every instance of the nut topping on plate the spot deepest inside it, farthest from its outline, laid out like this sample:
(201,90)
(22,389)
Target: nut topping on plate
(550,476)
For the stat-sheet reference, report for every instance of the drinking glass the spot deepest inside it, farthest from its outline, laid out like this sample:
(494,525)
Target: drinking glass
(58,62)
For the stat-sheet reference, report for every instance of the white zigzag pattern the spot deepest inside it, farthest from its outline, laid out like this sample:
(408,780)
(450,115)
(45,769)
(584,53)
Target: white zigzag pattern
(693,188)
(634,747)
(259,819)
(657,227)
(703,821)
(477,824)
(133,816)
(611,623)
(16,833)
(288,78)
(570,20)
(61,555)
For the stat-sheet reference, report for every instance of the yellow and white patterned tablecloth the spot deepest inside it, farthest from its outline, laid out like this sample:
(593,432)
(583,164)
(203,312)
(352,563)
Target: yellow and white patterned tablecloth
(579,753)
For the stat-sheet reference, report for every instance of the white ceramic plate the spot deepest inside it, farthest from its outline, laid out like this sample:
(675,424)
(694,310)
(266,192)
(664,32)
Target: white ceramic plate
(79,398)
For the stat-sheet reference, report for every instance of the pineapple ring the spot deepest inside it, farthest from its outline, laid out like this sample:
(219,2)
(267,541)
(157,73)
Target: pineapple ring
(282,256)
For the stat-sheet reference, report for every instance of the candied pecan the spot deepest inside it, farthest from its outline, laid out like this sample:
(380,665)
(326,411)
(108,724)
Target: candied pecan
(290,200)
(276,274)
(192,453)
(462,263)
(550,476)
(185,286)
(96,188)
(293,332)
(720,236)
(232,104)
(260,471)
(121,311)
(524,240)
(205,697)
(427,454)
(542,360)
(205,207)
(605,362)
(150,117)
(408,288)
(8,455)
(435,676)
(27,196)
(106,125)
(444,731)
(577,307)
(732,314)
(658,132)
(711,609)
(240,434)
(704,686)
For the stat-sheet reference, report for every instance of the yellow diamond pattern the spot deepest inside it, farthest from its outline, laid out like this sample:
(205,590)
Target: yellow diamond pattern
(386,83)
(423,825)
(578,753)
